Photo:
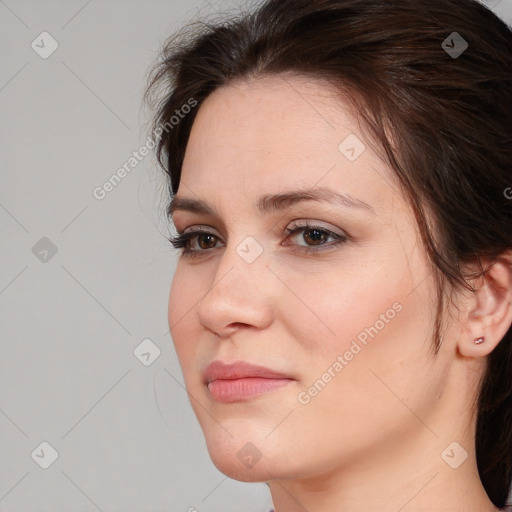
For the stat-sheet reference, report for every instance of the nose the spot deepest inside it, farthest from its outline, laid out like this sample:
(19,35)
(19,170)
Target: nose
(238,296)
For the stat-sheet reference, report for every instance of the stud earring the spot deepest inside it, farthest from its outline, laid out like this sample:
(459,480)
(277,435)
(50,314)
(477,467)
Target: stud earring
(479,340)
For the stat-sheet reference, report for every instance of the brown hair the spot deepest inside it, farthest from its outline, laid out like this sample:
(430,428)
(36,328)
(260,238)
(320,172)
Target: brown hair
(443,121)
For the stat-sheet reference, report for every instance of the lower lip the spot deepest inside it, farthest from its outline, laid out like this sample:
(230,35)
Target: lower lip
(235,390)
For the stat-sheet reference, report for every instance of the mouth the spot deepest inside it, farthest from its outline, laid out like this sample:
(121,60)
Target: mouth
(241,381)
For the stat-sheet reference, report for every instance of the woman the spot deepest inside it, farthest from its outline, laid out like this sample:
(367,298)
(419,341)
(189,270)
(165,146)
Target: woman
(340,175)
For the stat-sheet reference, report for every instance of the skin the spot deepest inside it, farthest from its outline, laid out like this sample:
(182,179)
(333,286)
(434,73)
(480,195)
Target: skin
(372,438)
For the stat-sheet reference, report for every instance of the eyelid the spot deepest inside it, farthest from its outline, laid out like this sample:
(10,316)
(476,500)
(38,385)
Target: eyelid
(297,223)
(199,227)
(311,224)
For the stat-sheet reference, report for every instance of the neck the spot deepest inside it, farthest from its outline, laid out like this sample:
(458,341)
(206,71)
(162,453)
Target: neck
(404,481)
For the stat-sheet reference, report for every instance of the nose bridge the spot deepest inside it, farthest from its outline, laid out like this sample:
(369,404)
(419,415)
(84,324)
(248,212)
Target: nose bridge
(241,271)
(242,260)
(239,292)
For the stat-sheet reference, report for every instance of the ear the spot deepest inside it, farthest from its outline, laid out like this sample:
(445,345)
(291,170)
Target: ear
(488,312)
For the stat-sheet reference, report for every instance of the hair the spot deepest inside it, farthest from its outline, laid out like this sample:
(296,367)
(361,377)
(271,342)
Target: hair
(441,121)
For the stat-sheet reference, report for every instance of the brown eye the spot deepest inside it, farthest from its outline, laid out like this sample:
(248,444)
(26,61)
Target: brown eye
(315,236)
(207,238)
(307,238)
(186,242)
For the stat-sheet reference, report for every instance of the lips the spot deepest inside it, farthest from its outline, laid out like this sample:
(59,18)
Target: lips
(241,381)
(239,370)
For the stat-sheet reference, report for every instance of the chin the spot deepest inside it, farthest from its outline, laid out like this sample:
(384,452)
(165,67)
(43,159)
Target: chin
(245,463)
(244,455)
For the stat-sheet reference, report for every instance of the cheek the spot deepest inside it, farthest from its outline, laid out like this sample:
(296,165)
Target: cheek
(382,324)
(379,315)
(390,368)
(346,299)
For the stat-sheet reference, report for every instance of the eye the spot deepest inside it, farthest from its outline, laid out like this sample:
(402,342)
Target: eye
(314,235)
(183,241)
(315,238)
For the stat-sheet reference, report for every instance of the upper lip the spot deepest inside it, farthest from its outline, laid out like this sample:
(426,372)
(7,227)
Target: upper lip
(239,370)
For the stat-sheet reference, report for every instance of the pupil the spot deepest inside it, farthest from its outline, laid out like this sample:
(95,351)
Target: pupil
(202,237)
(318,237)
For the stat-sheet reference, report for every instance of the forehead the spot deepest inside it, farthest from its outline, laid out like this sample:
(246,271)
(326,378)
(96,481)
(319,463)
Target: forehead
(279,132)
(272,113)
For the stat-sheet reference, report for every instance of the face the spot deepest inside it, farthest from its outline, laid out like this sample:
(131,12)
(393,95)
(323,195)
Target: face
(332,296)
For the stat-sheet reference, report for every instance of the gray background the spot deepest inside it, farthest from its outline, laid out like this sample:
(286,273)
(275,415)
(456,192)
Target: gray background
(125,434)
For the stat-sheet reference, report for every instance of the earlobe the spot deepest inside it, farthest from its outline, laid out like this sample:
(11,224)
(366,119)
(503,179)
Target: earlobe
(490,313)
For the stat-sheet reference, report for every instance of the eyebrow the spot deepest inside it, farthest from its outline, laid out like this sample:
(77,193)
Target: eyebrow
(275,202)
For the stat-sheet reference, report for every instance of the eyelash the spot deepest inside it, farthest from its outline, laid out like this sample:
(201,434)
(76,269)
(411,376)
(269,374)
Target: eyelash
(182,240)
